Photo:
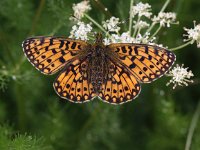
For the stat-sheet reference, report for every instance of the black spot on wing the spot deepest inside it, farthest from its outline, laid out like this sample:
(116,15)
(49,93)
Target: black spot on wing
(61,59)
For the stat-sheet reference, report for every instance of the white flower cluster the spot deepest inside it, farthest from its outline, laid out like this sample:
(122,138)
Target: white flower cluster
(111,25)
(180,76)
(165,18)
(126,38)
(194,34)
(115,38)
(140,24)
(141,9)
(81,8)
(80,31)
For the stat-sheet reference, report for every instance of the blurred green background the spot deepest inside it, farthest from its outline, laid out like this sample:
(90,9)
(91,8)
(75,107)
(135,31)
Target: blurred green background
(32,116)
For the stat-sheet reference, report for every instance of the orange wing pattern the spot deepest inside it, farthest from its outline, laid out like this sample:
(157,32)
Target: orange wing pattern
(120,86)
(128,65)
(72,83)
(50,54)
(145,62)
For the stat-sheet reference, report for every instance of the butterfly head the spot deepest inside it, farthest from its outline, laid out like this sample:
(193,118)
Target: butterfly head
(99,38)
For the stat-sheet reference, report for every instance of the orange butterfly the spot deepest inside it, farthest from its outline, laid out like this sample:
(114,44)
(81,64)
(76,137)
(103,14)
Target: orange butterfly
(113,72)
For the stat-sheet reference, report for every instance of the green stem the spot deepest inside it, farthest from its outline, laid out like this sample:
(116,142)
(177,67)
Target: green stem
(37,16)
(20,104)
(56,29)
(138,32)
(130,18)
(103,8)
(192,127)
(136,29)
(181,46)
(151,27)
(96,23)
(156,32)
(88,123)
(165,6)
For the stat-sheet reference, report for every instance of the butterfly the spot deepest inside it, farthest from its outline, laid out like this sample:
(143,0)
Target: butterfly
(113,73)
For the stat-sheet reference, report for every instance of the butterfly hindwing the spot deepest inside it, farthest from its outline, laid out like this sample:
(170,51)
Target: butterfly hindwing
(120,86)
(72,83)
(145,62)
(50,54)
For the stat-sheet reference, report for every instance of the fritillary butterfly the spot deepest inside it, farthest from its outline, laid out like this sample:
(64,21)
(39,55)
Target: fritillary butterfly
(111,72)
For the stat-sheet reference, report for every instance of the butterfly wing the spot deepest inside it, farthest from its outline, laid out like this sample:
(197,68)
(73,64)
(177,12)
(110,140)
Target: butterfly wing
(120,86)
(145,62)
(132,64)
(72,83)
(50,54)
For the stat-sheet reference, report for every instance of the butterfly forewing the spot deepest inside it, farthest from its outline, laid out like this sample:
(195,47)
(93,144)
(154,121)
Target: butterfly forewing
(145,62)
(50,54)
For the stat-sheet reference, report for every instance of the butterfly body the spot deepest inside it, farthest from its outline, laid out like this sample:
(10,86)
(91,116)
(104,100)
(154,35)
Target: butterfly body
(112,72)
(97,65)
(97,70)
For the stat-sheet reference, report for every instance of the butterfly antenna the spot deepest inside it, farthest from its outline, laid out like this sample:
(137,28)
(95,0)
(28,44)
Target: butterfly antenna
(74,18)
(104,9)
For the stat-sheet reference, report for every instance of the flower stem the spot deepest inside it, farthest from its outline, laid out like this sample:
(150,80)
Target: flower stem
(165,6)
(192,127)
(151,27)
(181,46)
(103,8)
(130,17)
(96,23)
(138,32)
(136,28)
(37,16)
(59,25)
(156,32)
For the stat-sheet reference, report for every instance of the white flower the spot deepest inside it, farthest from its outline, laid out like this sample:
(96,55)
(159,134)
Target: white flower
(80,31)
(111,25)
(193,34)
(106,41)
(143,39)
(14,77)
(126,38)
(80,9)
(115,38)
(140,25)
(141,9)
(180,76)
(165,18)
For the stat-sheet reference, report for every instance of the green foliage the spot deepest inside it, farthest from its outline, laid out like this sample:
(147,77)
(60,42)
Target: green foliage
(9,140)
(158,119)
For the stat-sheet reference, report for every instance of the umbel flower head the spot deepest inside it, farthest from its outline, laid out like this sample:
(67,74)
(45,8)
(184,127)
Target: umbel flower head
(165,18)
(193,34)
(80,9)
(141,9)
(80,31)
(140,24)
(180,76)
(111,25)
